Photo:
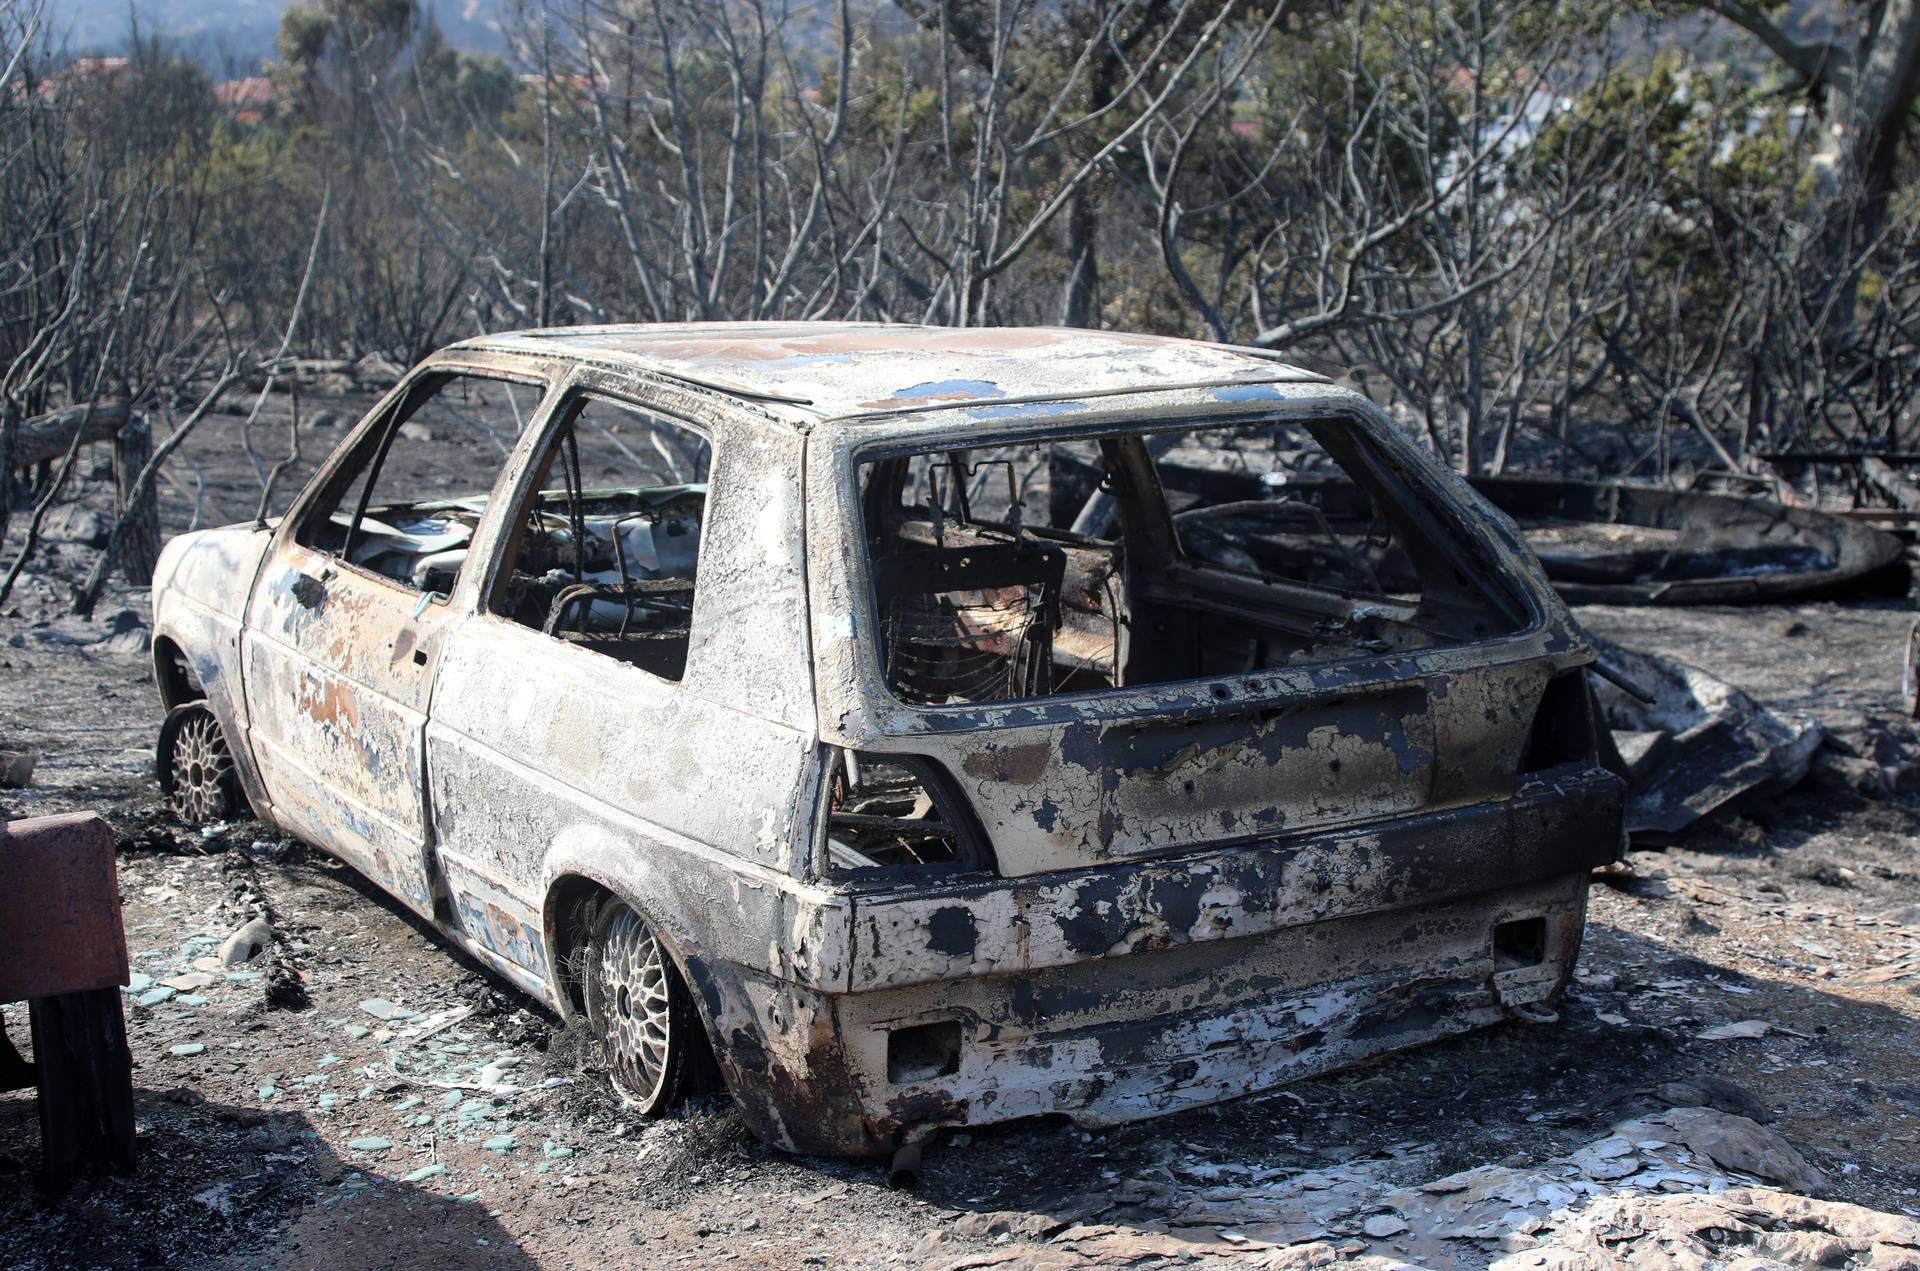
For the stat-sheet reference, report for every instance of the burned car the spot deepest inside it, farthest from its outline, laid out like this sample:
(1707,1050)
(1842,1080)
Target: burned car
(750,691)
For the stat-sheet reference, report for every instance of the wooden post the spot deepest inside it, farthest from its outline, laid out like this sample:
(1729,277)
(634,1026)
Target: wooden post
(140,532)
(85,1072)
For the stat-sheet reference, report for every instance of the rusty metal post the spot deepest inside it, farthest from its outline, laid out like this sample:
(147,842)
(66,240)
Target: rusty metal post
(64,952)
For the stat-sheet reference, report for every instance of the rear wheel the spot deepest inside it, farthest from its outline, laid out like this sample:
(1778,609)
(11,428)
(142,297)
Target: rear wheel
(641,1011)
(196,768)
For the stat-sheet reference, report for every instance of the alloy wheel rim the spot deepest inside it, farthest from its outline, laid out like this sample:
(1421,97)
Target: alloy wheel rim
(634,1005)
(202,769)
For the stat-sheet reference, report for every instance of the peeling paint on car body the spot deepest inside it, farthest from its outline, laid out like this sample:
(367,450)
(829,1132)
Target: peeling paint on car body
(1201,888)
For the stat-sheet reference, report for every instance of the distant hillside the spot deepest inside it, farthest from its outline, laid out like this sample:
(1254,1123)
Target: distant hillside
(234,35)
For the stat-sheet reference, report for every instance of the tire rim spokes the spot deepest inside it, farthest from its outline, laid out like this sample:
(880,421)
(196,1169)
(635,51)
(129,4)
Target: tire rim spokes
(633,988)
(202,770)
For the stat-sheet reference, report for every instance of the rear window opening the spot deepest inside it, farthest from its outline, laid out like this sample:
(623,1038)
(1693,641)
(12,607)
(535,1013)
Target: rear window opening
(1067,565)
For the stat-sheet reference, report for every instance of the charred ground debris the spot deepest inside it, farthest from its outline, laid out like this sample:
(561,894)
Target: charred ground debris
(501,1111)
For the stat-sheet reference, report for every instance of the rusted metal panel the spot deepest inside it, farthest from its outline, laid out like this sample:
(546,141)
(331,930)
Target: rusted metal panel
(60,929)
(1180,1027)
(200,588)
(942,933)
(821,370)
(338,668)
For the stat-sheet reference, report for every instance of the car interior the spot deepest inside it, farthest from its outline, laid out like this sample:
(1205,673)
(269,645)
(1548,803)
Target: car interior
(1083,564)
(613,568)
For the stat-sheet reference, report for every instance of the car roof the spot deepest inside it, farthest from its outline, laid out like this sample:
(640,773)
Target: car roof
(803,371)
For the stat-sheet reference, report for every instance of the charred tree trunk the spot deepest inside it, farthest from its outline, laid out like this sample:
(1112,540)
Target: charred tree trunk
(9,435)
(1080,303)
(137,510)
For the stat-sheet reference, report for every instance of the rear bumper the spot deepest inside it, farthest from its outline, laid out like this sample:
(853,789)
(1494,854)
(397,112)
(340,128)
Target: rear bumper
(1137,991)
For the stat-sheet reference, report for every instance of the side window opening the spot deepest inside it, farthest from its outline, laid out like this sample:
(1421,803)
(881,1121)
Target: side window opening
(407,505)
(605,554)
(1054,566)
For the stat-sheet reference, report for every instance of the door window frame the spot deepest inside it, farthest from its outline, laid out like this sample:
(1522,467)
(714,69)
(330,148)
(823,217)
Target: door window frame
(385,418)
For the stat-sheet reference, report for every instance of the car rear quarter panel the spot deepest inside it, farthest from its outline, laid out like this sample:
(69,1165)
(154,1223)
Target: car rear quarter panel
(548,761)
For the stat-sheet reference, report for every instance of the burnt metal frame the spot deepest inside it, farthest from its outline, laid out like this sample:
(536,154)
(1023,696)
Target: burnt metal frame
(571,390)
(329,483)
(1155,538)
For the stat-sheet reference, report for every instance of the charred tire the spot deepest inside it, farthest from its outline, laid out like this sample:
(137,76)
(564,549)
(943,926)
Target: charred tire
(638,1006)
(196,767)
(1910,672)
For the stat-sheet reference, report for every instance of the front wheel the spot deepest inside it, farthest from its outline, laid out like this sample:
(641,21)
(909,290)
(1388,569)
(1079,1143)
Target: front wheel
(641,1011)
(196,767)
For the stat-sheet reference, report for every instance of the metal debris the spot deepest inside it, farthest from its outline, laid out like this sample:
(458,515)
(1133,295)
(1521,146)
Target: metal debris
(1700,746)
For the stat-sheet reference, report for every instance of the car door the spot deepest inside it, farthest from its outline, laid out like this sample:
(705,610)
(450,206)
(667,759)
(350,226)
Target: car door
(594,714)
(345,624)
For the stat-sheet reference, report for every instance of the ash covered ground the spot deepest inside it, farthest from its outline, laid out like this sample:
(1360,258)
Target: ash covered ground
(338,1101)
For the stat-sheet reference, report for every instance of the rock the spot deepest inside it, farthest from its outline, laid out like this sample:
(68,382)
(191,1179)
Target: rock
(1716,1092)
(187,1049)
(1737,1143)
(248,942)
(16,769)
(1382,1226)
(189,982)
(126,633)
(1608,1159)
(1747,1227)
(1908,915)
(127,642)
(423,1173)
(71,523)
(417,431)
(372,1143)
(1001,1224)
(376,368)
